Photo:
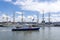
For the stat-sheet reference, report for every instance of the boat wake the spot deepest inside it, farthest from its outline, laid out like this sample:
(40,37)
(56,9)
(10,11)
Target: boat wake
(5,30)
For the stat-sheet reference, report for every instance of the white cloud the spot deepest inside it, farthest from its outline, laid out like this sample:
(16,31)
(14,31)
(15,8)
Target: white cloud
(39,6)
(55,15)
(5,17)
(52,7)
(35,16)
(55,19)
(19,12)
(30,17)
(26,19)
(0,19)
(21,16)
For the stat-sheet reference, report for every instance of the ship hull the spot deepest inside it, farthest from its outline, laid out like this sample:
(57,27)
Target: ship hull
(25,29)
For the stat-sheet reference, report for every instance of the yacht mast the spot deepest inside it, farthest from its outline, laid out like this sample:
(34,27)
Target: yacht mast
(22,17)
(37,18)
(49,17)
(13,17)
(43,16)
(7,18)
(43,21)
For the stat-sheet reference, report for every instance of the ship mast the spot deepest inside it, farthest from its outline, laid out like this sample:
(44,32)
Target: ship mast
(37,18)
(7,19)
(13,17)
(43,16)
(49,17)
(43,21)
(22,18)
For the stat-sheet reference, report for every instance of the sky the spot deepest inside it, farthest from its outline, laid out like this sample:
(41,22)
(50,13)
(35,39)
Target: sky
(31,9)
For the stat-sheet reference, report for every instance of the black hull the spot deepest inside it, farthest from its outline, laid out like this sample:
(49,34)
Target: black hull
(29,29)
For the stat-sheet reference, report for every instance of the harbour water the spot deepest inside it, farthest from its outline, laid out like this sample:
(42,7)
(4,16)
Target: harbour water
(47,33)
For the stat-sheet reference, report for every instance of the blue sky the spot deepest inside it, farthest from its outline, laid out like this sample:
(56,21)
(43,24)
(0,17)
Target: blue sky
(9,8)
(30,8)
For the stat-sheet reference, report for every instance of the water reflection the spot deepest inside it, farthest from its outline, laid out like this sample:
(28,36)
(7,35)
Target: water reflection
(25,35)
(46,33)
(42,34)
(49,33)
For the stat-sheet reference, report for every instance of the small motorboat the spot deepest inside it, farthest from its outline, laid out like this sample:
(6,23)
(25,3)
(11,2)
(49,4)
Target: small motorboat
(25,29)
